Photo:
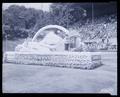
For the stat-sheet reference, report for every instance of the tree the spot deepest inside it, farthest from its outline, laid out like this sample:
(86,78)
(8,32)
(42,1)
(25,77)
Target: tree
(19,19)
(66,14)
(44,18)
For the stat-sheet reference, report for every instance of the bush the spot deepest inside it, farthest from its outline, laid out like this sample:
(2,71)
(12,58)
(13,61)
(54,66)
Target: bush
(16,33)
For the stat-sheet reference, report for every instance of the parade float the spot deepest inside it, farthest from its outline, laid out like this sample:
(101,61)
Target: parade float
(52,50)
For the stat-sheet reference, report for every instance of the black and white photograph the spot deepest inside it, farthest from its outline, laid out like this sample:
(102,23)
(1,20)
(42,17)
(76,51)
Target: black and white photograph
(59,47)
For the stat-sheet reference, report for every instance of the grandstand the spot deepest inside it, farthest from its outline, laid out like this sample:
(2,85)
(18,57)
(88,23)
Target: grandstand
(102,32)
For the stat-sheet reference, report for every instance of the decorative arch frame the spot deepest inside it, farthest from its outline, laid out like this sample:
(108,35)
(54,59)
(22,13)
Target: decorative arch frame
(48,27)
(74,36)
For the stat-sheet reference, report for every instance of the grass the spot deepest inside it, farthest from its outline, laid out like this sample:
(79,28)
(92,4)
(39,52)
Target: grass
(9,45)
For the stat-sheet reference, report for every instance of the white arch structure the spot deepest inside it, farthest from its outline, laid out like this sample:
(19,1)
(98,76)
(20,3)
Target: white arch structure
(50,26)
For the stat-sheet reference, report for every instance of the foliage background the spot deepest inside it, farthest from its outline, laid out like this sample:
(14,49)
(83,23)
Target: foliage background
(19,22)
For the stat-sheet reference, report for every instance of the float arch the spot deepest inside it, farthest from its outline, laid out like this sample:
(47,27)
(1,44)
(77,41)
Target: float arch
(50,26)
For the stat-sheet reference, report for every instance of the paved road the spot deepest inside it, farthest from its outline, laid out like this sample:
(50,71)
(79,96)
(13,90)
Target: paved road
(19,78)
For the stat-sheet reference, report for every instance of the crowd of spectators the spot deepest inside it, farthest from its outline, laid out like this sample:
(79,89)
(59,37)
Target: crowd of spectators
(103,29)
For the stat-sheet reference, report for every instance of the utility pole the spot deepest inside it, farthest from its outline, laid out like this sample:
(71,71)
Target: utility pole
(92,14)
